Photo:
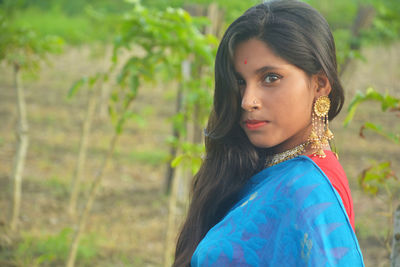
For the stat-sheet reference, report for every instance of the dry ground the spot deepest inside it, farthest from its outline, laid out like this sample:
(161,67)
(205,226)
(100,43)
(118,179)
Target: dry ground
(128,222)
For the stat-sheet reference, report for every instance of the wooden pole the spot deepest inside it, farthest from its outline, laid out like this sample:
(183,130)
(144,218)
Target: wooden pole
(80,163)
(92,194)
(22,147)
(175,132)
(171,223)
(173,150)
(395,257)
(216,16)
(176,179)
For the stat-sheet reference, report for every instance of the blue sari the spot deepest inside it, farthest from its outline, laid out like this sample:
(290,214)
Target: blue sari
(288,215)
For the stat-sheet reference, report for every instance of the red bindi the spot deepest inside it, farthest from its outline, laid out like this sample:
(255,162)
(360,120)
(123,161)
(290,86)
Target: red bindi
(245,61)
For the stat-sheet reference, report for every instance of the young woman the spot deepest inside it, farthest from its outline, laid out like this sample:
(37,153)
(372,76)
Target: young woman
(270,192)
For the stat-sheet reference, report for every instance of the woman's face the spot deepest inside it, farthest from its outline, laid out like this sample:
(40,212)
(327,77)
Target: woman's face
(277,97)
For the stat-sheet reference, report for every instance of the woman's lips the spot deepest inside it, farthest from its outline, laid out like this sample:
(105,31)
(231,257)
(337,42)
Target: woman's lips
(254,124)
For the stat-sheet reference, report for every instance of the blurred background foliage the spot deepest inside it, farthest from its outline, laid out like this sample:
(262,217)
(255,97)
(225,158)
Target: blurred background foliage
(77,21)
(92,21)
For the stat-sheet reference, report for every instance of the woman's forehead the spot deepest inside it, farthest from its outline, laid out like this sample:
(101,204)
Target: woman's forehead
(255,55)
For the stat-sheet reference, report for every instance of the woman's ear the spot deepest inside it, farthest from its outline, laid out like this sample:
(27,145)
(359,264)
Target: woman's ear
(321,84)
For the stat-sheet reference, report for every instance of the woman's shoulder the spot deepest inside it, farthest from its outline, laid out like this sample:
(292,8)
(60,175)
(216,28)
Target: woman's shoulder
(294,183)
(289,173)
(286,170)
(297,184)
(289,211)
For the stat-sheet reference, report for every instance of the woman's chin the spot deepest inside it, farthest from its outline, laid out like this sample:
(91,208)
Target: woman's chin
(262,143)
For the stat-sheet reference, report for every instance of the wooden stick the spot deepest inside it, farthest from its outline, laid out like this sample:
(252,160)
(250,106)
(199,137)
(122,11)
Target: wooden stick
(80,163)
(22,147)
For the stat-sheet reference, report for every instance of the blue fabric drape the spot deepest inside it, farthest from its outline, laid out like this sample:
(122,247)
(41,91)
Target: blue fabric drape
(287,215)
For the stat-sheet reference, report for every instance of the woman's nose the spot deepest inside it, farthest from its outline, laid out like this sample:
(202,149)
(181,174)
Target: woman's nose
(250,102)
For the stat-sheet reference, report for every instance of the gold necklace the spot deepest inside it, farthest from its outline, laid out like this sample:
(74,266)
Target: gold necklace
(274,159)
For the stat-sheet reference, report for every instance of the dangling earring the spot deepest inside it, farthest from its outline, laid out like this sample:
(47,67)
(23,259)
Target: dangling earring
(320,133)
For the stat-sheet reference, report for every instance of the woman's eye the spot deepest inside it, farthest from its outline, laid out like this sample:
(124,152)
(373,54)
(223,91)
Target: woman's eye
(270,78)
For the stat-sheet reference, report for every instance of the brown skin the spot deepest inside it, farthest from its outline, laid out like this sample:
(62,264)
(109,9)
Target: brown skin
(277,97)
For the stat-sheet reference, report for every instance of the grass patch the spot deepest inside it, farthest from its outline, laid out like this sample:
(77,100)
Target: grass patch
(153,157)
(49,119)
(73,29)
(52,250)
(59,188)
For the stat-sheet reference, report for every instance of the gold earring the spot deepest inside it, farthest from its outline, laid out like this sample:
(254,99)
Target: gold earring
(320,133)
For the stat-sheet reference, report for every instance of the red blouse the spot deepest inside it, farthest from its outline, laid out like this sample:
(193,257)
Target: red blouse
(334,171)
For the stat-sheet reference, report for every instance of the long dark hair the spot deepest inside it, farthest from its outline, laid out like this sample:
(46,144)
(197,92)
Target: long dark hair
(297,33)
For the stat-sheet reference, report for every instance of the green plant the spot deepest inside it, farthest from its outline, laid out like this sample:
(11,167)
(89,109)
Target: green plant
(379,176)
(52,250)
(388,103)
(159,41)
(190,157)
(167,39)
(77,22)
(23,50)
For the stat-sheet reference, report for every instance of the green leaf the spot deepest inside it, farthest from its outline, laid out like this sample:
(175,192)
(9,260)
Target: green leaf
(372,178)
(379,130)
(196,163)
(387,101)
(177,160)
(93,79)
(358,98)
(76,86)
(137,118)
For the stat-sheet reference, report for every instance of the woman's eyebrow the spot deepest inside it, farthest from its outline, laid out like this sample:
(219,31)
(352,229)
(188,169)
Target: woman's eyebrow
(260,70)
(265,68)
